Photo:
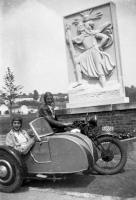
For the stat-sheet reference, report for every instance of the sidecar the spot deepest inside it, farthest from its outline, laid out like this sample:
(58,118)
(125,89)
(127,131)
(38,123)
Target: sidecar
(52,154)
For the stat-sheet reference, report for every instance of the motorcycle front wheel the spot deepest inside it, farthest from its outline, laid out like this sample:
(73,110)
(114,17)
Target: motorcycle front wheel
(112,156)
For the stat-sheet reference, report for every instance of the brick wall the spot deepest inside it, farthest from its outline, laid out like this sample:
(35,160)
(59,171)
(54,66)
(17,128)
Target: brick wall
(121,116)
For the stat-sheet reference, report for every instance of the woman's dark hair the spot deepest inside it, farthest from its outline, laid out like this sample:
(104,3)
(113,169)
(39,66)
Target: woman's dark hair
(17,118)
(48,94)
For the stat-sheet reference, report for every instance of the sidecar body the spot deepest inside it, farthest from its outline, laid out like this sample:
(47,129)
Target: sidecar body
(58,153)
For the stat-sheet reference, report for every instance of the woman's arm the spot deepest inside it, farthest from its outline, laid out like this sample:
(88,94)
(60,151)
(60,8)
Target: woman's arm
(54,123)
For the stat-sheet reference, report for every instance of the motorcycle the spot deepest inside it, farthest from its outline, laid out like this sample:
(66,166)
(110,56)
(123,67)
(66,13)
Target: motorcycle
(61,154)
(111,156)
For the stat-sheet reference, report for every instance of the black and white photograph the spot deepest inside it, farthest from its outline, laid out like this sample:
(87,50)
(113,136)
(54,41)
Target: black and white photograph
(67,99)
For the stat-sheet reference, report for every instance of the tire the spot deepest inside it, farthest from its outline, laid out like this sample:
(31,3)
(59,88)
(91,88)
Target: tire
(10,173)
(108,156)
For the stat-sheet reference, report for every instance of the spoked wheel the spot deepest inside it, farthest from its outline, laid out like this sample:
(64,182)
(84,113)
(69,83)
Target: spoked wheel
(112,156)
(10,173)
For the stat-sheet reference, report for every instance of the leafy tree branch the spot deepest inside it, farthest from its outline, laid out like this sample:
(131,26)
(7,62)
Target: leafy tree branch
(10,90)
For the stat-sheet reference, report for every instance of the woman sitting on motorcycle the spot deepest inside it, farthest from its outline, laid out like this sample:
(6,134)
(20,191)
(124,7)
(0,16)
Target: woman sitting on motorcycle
(47,111)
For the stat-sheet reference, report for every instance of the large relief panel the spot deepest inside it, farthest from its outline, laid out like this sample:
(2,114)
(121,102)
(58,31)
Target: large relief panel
(93,56)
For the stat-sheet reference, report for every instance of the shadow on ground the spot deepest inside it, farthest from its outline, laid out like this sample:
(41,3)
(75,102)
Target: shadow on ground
(121,185)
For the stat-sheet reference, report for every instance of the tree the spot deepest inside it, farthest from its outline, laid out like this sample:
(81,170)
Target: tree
(30,95)
(35,95)
(131,93)
(31,103)
(10,91)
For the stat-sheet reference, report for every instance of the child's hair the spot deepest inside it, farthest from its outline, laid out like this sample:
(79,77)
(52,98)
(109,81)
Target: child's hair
(17,118)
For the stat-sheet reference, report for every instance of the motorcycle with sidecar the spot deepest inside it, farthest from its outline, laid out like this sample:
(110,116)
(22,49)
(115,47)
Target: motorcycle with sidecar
(60,154)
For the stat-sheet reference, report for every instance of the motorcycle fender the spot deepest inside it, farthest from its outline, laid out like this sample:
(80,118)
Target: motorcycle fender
(13,153)
(109,134)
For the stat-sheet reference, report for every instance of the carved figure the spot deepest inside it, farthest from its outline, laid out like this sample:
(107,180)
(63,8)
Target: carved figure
(90,60)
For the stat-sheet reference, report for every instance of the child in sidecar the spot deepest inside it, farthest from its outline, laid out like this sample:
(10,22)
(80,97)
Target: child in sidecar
(19,138)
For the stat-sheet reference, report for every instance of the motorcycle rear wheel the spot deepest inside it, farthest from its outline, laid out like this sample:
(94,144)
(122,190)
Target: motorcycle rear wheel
(112,156)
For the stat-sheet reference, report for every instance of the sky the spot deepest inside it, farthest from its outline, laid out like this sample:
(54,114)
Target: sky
(32,41)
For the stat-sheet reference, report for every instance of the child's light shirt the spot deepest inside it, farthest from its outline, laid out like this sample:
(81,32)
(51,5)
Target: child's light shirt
(21,136)
(15,138)
(19,140)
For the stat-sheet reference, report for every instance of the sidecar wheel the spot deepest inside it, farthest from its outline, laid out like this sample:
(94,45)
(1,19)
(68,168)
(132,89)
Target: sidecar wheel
(112,156)
(10,174)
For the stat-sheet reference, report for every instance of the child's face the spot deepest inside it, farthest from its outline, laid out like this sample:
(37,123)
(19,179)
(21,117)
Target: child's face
(16,125)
